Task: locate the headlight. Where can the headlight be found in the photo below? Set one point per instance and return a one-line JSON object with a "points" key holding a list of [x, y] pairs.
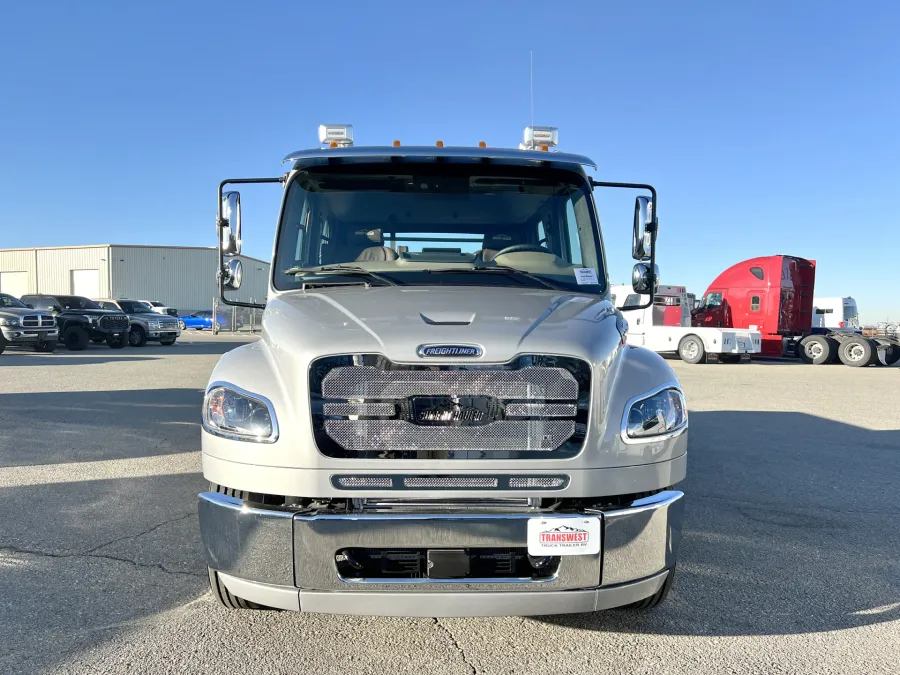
{"points": [[9, 322], [91, 319], [231, 412], [661, 413]]}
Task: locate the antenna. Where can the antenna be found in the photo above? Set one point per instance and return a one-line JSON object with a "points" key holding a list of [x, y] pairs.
{"points": [[531, 58]]}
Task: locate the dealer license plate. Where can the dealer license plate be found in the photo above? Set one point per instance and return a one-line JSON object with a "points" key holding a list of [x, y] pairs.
{"points": [[564, 536]]}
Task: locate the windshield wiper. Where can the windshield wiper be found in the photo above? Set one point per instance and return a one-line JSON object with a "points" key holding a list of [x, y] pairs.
{"points": [[346, 270], [497, 268]]}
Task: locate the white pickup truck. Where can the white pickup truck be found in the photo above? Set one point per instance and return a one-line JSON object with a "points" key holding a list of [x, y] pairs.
{"points": [[665, 327], [442, 417]]}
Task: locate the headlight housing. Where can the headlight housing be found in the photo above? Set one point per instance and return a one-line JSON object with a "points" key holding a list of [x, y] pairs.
{"points": [[651, 417], [9, 322], [231, 412], [91, 319]]}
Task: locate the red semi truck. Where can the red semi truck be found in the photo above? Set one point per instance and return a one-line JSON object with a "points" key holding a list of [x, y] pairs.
{"points": [[774, 295]]}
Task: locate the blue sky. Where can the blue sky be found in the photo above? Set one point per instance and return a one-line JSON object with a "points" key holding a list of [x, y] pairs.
{"points": [[768, 127]]}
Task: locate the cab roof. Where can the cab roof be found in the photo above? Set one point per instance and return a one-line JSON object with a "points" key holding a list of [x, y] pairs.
{"points": [[316, 156]]}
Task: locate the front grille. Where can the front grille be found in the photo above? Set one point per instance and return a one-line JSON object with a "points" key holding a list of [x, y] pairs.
{"points": [[114, 322], [168, 324], [475, 564], [38, 321], [534, 407]]}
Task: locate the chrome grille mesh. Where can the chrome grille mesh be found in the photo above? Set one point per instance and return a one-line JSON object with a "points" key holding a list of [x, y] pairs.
{"points": [[540, 410], [365, 409], [38, 321], [450, 482], [380, 435], [527, 383]]}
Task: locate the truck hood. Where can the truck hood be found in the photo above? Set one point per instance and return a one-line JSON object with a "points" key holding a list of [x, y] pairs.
{"points": [[8, 312], [395, 321]]}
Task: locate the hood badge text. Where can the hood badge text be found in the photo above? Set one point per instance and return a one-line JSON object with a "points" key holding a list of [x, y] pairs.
{"points": [[452, 351]]}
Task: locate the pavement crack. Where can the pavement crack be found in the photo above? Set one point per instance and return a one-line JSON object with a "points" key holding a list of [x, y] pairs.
{"points": [[472, 668], [139, 534], [49, 554]]}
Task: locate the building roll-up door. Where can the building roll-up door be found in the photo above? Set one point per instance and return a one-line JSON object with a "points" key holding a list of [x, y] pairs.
{"points": [[86, 283], [14, 283]]}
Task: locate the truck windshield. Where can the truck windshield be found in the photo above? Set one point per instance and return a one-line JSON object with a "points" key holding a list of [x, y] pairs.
{"points": [[76, 302], [412, 224], [10, 301]]}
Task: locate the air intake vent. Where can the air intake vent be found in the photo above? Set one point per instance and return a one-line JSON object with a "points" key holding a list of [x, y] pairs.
{"points": [[450, 482]]}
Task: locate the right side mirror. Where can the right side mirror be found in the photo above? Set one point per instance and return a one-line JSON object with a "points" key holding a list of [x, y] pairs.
{"points": [[230, 230], [643, 278], [641, 238], [55, 308]]}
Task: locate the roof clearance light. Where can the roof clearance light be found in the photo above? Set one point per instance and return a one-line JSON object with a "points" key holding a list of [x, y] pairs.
{"points": [[482, 144], [336, 135], [440, 144], [540, 137], [396, 144]]}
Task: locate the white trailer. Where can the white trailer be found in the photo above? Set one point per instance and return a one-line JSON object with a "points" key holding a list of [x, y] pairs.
{"points": [[647, 328], [835, 313]]}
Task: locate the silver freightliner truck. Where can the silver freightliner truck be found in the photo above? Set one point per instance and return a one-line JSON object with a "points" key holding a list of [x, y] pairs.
{"points": [[442, 417]]}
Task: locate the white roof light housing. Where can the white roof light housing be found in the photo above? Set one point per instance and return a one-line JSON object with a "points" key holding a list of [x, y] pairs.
{"points": [[540, 137], [336, 135]]}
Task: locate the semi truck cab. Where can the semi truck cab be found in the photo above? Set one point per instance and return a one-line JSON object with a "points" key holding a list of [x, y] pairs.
{"points": [[443, 416]]}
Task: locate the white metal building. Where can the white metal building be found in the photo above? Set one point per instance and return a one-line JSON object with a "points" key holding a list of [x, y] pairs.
{"points": [[180, 276]]}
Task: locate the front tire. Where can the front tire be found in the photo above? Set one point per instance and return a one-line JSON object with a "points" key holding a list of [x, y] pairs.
{"points": [[657, 598], [45, 347], [137, 337], [76, 339], [691, 349], [116, 342]]}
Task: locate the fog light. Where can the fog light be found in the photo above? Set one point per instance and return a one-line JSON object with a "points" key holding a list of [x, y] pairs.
{"points": [[539, 562]]}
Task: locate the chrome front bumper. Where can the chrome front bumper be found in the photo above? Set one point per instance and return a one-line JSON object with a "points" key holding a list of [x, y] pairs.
{"points": [[19, 335], [287, 559]]}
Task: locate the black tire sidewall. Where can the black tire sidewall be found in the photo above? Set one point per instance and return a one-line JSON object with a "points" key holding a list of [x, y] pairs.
{"points": [[76, 339], [138, 331]]}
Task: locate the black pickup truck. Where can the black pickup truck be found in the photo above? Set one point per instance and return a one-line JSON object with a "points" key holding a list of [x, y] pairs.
{"points": [[81, 320]]}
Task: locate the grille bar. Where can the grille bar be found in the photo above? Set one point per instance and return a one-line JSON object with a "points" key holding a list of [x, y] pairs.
{"points": [[526, 383], [540, 410], [365, 409], [381, 435], [450, 482]]}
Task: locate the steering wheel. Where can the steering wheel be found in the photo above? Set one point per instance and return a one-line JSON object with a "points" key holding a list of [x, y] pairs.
{"points": [[522, 248]]}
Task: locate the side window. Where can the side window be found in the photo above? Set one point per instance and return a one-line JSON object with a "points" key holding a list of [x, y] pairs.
{"points": [[757, 272], [107, 305], [712, 300], [632, 299], [542, 236], [754, 303], [572, 227]]}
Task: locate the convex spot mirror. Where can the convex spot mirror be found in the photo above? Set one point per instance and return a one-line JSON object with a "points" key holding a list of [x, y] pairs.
{"points": [[230, 226], [234, 274], [642, 279], [641, 238]]}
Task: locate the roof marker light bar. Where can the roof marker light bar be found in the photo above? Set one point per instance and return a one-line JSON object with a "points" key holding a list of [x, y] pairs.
{"points": [[336, 135], [540, 137]]}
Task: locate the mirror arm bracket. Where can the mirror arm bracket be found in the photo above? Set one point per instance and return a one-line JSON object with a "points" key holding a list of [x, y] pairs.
{"points": [[221, 222]]}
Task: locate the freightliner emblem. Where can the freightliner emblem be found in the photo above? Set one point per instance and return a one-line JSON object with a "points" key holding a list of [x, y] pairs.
{"points": [[453, 351]]}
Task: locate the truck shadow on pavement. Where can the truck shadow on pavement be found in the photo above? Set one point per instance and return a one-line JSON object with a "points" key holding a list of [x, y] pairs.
{"points": [[790, 527]]}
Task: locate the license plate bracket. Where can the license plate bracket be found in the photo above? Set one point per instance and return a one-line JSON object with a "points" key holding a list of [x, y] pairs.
{"points": [[448, 563]]}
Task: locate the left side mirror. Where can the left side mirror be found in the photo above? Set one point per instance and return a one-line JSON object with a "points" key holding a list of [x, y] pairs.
{"points": [[230, 230], [641, 239], [643, 278], [234, 274]]}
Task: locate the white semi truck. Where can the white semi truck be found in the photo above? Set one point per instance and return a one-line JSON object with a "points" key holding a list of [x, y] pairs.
{"points": [[665, 327], [443, 417]]}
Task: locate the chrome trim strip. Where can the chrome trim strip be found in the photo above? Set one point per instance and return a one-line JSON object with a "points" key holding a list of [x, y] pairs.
{"points": [[271, 438], [623, 429]]}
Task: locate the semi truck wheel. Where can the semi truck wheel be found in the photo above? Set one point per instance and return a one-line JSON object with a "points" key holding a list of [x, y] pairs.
{"points": [[137, 337], [76, 339], [817, 349], [691, 350], [857, 352], [658, 597], [891, 355], [224, 597]]}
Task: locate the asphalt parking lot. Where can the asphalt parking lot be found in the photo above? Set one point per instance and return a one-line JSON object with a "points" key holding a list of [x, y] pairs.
{"points": [[790, 561]]}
